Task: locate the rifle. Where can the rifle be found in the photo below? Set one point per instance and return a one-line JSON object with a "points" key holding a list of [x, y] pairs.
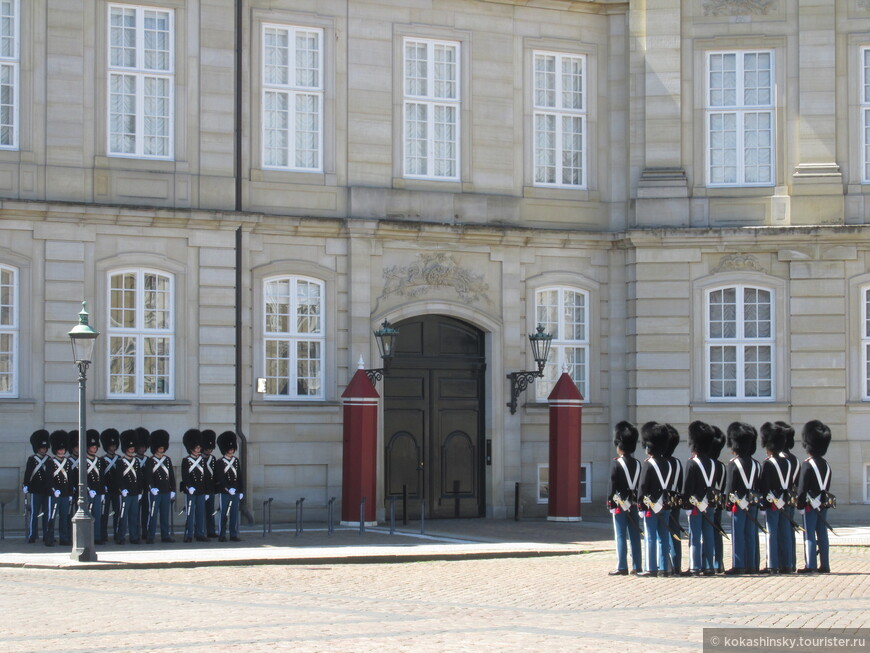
{"points": [[618, 500], [752, 499], [649, 504], [151, 513], [825, 522], [704, 514], [27, 510], [797, 527]]}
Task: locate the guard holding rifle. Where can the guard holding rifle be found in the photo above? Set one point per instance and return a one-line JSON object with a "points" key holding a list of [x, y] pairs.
{"points": [[740, 486], [37, 486], [193, 487], [96, 482], [130, 482], [655, 479], [813, 497], [697, 490], [622, 499], [776, 473], [228, 483], [160, 480]]}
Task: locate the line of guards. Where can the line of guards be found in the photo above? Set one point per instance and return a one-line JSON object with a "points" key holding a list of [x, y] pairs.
{"points": [[133, 490], [645, 499]]}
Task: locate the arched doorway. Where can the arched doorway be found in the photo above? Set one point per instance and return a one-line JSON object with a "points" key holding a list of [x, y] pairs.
{"points": [[434, 417]]}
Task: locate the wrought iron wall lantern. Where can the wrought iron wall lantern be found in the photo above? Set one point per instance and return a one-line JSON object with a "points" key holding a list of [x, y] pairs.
{"points": [[386, 338], [540, 351]]}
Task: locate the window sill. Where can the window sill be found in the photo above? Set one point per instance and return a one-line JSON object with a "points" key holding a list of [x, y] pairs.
{"points": [[734, 191], [423, 184], [558, 193], [120, 405], [750, 406], [283, 405]]}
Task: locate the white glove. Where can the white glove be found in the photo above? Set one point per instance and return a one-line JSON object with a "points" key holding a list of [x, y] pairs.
{"points": [[191, 490], [241, 495], [207, 497], [124, 493], [171, 496], [26, 489], [92, 493], [815, 502], [56, 493], [232, 491], [155, 491]]}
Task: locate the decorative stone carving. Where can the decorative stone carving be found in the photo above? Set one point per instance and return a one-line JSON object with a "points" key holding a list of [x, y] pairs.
{"points": [[738, 7], [432, 271], [741, 262]]}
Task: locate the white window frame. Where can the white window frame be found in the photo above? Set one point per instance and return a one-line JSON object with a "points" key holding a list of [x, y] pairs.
{"points": [[864, 99], [294, 92], [141, 75], [741, 112], [559, 345], [740, 342], [543, 486], [138, 333], [586, 483], [292, 337], [10, 66], [559, 113], [10, 328], [432, 102]]}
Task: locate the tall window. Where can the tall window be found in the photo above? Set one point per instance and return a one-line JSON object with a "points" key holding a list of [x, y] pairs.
{"points": [[560, 119], [141, 334], [141, 81], [431, 109], [865, 112], [865, 340], [740, 119], [740, 343], [564, 313], [8, 332], [9, 89], [292, 98], [294, 338]]}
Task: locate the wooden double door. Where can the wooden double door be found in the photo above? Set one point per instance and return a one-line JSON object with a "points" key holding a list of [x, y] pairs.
{"points": [[434, 418]]}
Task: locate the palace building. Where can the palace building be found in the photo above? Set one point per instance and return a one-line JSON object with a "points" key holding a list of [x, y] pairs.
{"points": [[244, 191]]}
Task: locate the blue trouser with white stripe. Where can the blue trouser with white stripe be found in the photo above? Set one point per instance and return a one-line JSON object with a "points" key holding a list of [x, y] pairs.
{"points": [[38, 505], [775, 533], [158, 511], [701, 548], [229, 508], [742, 539], [816, 539], [625, 531]]}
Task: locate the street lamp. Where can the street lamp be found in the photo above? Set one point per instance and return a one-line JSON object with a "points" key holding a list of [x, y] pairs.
{"points": [[386, 338], [83, 337], [540, 342]]}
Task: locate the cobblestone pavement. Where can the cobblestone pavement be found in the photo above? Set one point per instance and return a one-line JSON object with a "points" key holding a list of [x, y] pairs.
{"points": [[565, 603]]}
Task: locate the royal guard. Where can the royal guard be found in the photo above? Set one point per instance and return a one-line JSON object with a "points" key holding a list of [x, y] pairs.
{"points": [[61, 490], [228, 483], [755, 518], [208, 445], [740, 486], [143, 438], [656, 476], [193, 487], [160, 480], [814, 497], [788, 554], [718, 498], [675, 500], [96, 483], [776, 474], [622, 499], [37, 485], [111, 440], [130, 481], [698, 494], [72, 454]]}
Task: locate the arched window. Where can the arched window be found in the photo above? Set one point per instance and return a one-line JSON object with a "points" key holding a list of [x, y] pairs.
{"points": [[564, 312], [740, 343], [8, 331], [294, 339], [141, 334]]}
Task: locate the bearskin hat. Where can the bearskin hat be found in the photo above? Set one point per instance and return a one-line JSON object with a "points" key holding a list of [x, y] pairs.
{"points": [[655, 438], [191, 439], [208, 439], [788, 432], [816, 437], [72, 440], [110, 438], [129, 439], [227, 441], [39, 439], [143, 436], [718, 442], [700, 437], [92, 438], [741, 438], [159, 438], [58, 440], [673, 440], [625, 436], [772, 437]]}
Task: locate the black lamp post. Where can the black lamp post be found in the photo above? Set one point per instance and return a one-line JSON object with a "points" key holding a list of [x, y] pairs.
{"points": [[83, 337], [386, 338], [540, 351]]}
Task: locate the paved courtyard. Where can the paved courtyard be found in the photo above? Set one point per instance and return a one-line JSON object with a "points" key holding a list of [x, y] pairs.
{"points": [[546, 603]]}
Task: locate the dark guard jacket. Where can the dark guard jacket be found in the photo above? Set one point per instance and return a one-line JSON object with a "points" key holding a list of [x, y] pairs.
{"points": [[776, 475], [650, 485], [37, 474], [128, 476], [736, 482], [619, 481], [96, 474], [160, 474], [193, 475], [227, 474], [62, 477], [700, 477], [808, 481]]}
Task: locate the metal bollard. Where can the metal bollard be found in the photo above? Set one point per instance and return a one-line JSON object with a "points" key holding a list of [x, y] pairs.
{"points": [[404, 505], [362, 516], [422, 517], [517, 502], [392, 515], [171, 516], [264, 517], [299, 515], [330, 513], [271, 499]]}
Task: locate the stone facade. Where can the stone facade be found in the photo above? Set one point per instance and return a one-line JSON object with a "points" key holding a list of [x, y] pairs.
{"points": [[645, 236]]}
